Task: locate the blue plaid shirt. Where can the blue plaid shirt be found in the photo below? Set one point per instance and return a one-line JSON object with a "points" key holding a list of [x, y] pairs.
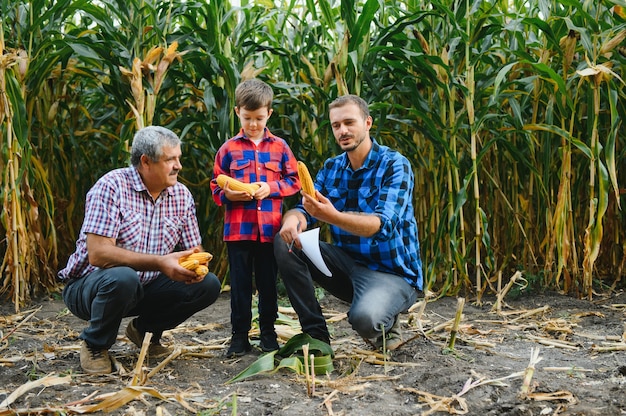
{"points": [[382, 186]]}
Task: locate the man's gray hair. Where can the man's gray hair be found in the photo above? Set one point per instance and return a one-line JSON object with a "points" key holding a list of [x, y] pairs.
{"points": [[150, 141]]}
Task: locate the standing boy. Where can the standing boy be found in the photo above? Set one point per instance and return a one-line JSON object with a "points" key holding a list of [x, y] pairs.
{"points": [[251, 220]]}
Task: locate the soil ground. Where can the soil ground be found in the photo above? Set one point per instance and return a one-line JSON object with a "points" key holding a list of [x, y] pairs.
{"points": [[579, 350]]}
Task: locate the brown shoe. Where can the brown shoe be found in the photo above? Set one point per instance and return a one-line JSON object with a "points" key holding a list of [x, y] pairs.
{"points": [[95, 361], [392, 340], [155, 350]]}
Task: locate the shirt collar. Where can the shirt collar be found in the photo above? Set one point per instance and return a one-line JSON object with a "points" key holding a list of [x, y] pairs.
{"points": [[267, 135], [139, 186], [369, 161]]}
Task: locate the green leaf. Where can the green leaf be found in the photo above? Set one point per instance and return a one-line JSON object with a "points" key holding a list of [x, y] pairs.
{"points": [[292, 363], [264, 364], [296, 342]]}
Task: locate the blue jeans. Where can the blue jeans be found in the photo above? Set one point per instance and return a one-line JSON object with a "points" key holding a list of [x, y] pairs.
{"points": [[375, 298], [106, 296], [248, 258]]}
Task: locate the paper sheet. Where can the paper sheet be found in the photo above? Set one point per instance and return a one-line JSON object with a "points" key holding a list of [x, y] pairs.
{"points": [[310, 241]]}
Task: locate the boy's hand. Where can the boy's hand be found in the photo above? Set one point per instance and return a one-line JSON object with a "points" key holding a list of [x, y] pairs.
{"points": [[263, 191], [231, 195]]}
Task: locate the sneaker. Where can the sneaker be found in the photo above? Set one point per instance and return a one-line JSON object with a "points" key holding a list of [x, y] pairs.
{"points": [[155, 350], [393, 338], [94, 361], [239, 345], [269, 342]]}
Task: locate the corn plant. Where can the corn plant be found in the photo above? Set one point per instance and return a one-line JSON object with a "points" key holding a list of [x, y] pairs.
{"points": [[510, 113]]}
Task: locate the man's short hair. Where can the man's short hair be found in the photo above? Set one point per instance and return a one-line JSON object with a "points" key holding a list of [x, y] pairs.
{"points": [[150, 141], [351, 99]]}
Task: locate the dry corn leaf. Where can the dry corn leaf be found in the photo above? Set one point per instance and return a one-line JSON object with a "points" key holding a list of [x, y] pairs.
{"points": [[47, 381]]}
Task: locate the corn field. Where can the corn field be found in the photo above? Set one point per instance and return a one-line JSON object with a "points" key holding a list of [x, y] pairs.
{"points": [[510, 112]]}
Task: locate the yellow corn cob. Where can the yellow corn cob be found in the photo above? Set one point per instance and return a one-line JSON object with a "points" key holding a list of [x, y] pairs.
{"points": [[235, 185], [189, 264], [305, 179], [202, 270], [203, 257]]}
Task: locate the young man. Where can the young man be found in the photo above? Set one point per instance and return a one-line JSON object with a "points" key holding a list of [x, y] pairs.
{"points": [[365, 195], [126, 258]]}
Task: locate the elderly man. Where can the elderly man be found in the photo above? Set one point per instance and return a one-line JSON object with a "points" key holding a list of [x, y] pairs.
{"points": [[139, 221]]}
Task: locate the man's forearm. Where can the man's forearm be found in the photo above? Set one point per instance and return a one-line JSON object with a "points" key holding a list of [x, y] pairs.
{"points": [[295, 215], [113, 256], [104, 253], [361, 224]]}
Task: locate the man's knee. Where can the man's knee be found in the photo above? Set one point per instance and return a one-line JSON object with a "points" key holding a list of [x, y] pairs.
{"points": [[212, 287], [363, 322], [280, 248], [123, 279]]}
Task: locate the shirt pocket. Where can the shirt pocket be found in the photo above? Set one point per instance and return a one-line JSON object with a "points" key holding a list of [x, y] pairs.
{"points": [[238, 169], [338, 197], [172, 231], [368, 198], [130, 232], [273, 171]]}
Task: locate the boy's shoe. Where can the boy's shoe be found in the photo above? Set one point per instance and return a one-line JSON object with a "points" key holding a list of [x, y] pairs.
{"points": [[95, 361], [155, 350], [239, 345], [269, 342], [393, 338]]}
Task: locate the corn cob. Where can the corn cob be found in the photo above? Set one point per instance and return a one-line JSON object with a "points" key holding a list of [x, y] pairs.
{"points": [[189, 264], [203, 257], [305, 179], [235, 185], [202, 270]]}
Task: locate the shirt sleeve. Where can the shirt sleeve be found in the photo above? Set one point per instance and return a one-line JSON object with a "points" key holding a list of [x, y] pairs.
{"points": [[102, 210], [395, 197]]}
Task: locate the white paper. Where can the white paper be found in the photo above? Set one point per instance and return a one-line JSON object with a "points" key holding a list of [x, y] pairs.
{"points": [[310, 241]]}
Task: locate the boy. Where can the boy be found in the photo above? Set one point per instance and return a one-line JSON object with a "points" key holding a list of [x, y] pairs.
{"points": [[251, 220]]}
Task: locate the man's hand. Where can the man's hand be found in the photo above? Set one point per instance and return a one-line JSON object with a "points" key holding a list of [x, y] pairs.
{"points": [[293, 224], [320, 208], [171, 267]]}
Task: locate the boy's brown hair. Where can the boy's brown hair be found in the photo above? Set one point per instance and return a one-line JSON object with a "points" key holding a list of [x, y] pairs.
{"points": [[253, 94]]}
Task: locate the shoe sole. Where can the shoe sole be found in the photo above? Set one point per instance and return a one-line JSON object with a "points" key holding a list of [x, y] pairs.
{"points": [[236, 354]]}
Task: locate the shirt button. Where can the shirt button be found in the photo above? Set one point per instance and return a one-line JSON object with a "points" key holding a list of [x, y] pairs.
{"points": [[259, 208]]}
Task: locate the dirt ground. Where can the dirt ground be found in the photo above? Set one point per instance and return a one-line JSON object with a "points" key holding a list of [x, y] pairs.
{"points": [[577, 349]]}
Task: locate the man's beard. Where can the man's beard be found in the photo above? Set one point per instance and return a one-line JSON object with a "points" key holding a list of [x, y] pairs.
{"points": [[355, 145]]}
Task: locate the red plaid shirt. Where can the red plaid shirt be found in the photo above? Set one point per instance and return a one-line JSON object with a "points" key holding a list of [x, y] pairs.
{"points": [[272, 162]]}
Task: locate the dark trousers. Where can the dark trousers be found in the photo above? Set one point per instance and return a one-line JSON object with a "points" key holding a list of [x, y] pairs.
{"points": [[248, 258], [375, 298], [107, 295]]}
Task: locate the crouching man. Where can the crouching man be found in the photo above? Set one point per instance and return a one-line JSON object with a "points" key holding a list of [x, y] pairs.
{"points": [[139, 221]]}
